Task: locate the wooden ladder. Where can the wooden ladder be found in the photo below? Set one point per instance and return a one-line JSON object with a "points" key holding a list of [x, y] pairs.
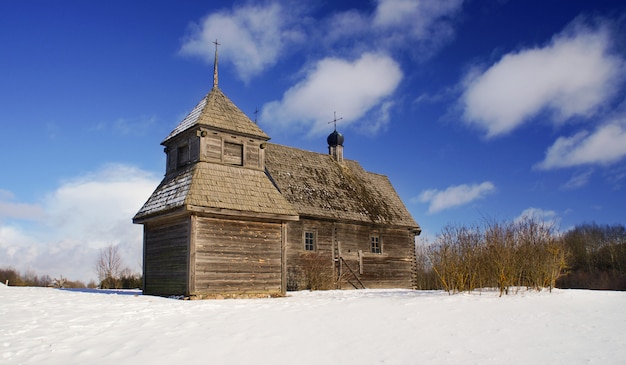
{"points": [[353, 274]]}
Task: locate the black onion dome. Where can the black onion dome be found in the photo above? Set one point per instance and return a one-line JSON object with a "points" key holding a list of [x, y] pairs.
{"points": [[335, 139]]}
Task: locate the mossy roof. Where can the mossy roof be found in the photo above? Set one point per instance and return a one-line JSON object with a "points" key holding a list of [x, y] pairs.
{"points": [[318, 186], [296, 183]]}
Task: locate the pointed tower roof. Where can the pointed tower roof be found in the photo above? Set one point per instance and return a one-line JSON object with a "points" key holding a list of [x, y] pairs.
{"points": [[218, 112]]}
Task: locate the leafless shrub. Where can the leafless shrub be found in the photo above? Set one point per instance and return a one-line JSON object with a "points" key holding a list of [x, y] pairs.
{"points": [[317, 271], [501, 260], [293, 279], [501, 255], [455, 258]]}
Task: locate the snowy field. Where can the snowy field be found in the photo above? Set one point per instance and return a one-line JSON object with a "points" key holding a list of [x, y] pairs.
{"points": [[49, 326]]}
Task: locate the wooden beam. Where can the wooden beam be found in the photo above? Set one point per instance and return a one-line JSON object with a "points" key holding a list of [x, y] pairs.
{"points": [[360, 252], [191, 260], [223, 213], [283, 270]]}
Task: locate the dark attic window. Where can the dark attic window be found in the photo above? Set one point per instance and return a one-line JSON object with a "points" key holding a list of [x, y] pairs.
{"points": [[182, 155], [375, 244], [309, 241]]}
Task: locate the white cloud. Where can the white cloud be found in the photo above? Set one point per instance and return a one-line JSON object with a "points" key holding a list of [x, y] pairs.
{"points": [[349, 88], [14, 244], [79, 217], [548, 218], [532, 212], [378, 119], [15, 210], [395, 12], [349, 25], [418, 19], [413, 26], [454, 196], [604, 146], [252, 36], [572, 76], [255, 36], [578, 180]]}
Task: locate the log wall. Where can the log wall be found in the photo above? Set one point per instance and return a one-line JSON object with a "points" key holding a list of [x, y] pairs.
{"points": [[237, 257], [165, 257], [394, 267]]}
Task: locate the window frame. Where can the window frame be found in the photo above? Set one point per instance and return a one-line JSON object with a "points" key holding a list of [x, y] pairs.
{"points": [[305, 239], [376, 244]]}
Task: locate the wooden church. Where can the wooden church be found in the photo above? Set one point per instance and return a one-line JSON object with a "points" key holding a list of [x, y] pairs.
{"points": [[236, 216]]}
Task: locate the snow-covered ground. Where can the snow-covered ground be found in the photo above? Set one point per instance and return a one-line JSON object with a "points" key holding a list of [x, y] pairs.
{"points": [[49, 326]]}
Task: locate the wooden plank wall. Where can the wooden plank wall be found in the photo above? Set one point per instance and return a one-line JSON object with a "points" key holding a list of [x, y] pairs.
{"points": [[165, 257], [237, 257], [213, 148], [217, 148], [233, 153], [394, 268], [252, 155], [295, 248]]}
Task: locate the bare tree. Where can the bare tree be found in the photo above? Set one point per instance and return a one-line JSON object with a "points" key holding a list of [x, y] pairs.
{"points": [[109, 266]]}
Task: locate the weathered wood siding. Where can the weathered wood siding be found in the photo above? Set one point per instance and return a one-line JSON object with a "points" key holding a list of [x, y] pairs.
{"points": [[233, 153], [252, 155], [231, 149], [394, 267], [237, 257], [295, 249], [165, 257], [213, 148]]}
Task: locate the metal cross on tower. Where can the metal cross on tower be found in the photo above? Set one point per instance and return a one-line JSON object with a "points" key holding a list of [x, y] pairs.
{"points": [[335, 120], [215, 65]]}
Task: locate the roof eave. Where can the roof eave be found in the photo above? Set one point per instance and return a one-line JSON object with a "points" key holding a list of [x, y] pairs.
{"points": [[416, 227], [238, 213], [170, 213]]}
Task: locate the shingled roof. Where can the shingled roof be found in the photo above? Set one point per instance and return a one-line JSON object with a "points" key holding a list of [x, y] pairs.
{"points": [[218, 189], [217, 111], [318, 186]]}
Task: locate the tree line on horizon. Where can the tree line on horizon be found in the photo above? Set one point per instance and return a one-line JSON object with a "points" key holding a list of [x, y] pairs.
{"points": [[529, 253], [112, 274]]}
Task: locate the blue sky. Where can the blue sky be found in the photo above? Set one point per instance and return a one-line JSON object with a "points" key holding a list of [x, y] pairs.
{"points": [[474, 109]]}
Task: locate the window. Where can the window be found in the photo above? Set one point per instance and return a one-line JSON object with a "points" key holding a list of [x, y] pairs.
{"points": [[375, 244], [182, 155], [309, 241]]}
